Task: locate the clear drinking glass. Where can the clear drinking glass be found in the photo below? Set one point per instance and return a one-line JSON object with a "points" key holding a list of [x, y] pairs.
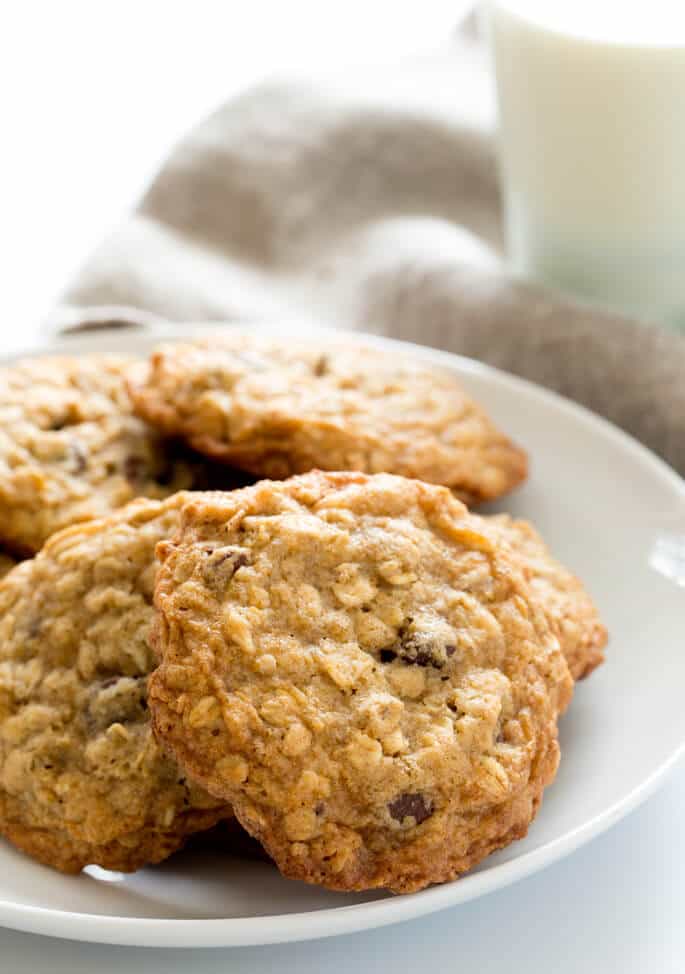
{"points": [[592, 147]]}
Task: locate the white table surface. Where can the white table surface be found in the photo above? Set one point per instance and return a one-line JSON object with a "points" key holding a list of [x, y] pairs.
{"points": [[91, 98]]}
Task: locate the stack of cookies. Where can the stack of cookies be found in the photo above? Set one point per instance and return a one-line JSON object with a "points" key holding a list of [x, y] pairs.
{"points": [[340, 656]]}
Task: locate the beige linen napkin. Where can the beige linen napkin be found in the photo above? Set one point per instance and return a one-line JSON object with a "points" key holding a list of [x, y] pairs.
{"points": [[370, 202]]}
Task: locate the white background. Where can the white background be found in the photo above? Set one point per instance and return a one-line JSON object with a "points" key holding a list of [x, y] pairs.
{"points": [[92, 96]]}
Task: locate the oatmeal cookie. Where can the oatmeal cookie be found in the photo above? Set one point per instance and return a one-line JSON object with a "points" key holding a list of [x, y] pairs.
{"points": [[278, 408], [82, 779], [571, 611], [71, 448], [354, 664]]}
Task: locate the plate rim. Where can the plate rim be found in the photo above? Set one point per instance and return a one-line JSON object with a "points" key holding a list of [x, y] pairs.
{"points": [[338, 920]]}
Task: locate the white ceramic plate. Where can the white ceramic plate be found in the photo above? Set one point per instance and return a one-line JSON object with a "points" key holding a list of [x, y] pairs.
{"points": [[609, 509]]}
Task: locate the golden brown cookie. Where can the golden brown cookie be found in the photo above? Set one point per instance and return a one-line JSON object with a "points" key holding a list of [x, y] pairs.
{"points": [[354, 664], [569, 608], [281, 407], [82, 779], [71, 448]]}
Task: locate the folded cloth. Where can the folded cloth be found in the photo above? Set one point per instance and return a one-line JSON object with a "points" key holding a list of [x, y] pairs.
{"points": [[371, 202]]}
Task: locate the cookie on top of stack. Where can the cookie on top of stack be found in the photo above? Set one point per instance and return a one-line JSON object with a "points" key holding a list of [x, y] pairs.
{"points": [[365, 673], [354, 665]]}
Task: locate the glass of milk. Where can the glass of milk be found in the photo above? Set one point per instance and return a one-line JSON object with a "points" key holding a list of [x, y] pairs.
{"points": [[592, 129]]}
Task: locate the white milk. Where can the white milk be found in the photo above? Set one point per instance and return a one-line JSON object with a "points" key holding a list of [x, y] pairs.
{"points": [[592, 118]]}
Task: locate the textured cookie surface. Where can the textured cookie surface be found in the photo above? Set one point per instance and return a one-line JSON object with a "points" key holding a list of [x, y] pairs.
{"points": [[353, 664], [82, 779], [277, 408], [568, 605], [71, 448]]}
